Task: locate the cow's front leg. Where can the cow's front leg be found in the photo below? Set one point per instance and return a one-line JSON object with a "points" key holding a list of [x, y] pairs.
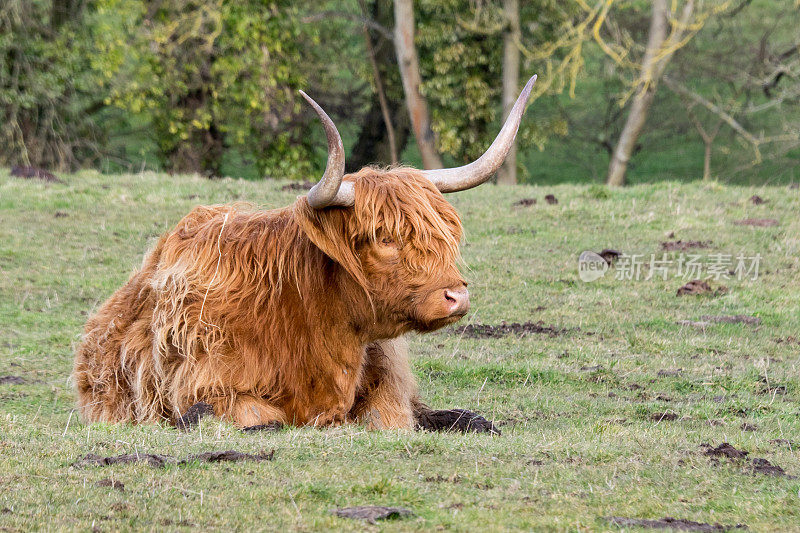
{"points": [[383, 399]]}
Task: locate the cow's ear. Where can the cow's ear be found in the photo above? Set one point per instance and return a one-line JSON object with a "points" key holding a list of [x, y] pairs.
{"points": [[329, 230]]}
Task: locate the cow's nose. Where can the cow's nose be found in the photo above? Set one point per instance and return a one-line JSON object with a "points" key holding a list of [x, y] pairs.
{"points": [[457, 300]]}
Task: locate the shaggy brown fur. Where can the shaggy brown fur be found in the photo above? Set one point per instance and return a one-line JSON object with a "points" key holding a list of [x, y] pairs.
{"points": [[294, 315]]}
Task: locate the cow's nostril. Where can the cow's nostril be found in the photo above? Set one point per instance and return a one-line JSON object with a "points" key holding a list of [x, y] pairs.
{"points": [[457, 300]]}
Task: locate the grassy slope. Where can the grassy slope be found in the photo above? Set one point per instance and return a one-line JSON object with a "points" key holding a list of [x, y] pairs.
{"points": [[580, 445]]}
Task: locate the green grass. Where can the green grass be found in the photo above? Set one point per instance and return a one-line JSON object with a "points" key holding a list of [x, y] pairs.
{"points": [[578, 445]]}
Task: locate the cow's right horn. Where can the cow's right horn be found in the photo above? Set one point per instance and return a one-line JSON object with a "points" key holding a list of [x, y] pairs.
{"points": [[471, 175], [330, 190]]}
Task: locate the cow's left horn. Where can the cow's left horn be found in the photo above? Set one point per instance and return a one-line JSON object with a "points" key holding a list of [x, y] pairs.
{"points": [[480, 170], [330, 190]]}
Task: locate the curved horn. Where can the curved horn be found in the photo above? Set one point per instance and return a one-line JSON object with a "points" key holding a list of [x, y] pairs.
{"points": [[330, 190], [480, 170]]}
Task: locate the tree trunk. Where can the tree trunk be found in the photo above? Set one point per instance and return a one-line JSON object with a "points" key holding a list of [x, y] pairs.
{"points": [[656, 57], [511, 37], [409, 71], [707, 161], [374, 145]]}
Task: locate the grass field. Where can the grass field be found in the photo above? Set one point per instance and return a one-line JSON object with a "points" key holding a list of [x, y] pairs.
{"points": [[603, 418]]}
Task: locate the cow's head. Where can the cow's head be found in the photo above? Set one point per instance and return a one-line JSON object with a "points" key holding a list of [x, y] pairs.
{"points": [[395, 233]]}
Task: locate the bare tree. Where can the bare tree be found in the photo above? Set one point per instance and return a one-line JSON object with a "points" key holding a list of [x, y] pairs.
{"points": [[511, 43], [658, 52], [409, 71]]}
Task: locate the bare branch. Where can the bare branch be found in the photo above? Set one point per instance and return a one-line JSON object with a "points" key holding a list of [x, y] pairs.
{"points": [[738, 128], [385, 32]]}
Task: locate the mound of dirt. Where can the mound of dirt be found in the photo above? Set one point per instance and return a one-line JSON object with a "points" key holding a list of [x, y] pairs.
{"points": [[610, 255], [113, 483], [757, 222], [682, 246], [525, 202], [762, 466], [455, 420], [193, 415], [757, 200], [551, 199], [272, 426], [488, 331], [34, 173], [698, 286], [152, 459], [663, 417], [228, 456], [158, 461], [372, 513], [11, 380], [733, 319], [679, 524], [757, 465], [723, 450]]}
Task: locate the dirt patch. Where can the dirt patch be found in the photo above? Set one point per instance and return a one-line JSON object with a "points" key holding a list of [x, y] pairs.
{"points": [[551, 199], [733, 319], [113, 483], [756, 465], [679, 524], [298, 186], [785, 442], [707, 320], [525, 202], [455, 478], [515, 230], [11, 380], [682, 246], [788, 340], [455, 420], [748, 427], [372, 513], [757, 200], [34, 173], [762, 466], [663, 417], [228, 456], [193, 415], [159, 461], [757, 222], [698, 286], [272, 426], [154, 460], [723, 450], [610, 255], [60, 214], [488, 331], [771, 388]]}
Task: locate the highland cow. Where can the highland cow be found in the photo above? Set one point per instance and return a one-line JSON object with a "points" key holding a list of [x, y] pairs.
{"points": [[295, 315]]}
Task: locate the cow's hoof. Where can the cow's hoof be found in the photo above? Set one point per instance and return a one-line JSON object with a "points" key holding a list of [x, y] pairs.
{"points": [[193, 415], [272, 426], [456, 420]]}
